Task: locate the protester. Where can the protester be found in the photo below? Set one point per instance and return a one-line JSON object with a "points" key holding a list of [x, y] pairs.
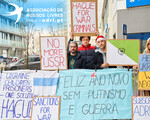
{"points": [[99, 57], [86, 49], [146, 51], [75, 59]]}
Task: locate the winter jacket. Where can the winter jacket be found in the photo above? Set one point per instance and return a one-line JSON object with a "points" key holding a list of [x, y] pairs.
{"points": [[79, 61], [97, 61], [87, 52]]}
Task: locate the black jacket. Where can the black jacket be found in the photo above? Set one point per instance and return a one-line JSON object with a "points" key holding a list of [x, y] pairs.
{"points": [[79, 61], [97, 61], [87, 52]]}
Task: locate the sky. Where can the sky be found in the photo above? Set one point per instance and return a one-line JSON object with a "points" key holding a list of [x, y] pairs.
{"points": [[45, 19]]}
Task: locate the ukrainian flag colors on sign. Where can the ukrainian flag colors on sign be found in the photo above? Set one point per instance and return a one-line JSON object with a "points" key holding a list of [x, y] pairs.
{"points": [[123, 52]]}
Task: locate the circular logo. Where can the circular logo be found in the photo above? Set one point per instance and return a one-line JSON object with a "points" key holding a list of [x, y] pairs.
{"points": [[121, 51]]}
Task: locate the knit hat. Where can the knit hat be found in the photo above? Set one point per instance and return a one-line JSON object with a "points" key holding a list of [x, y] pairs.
{"points": [[99, 38]]}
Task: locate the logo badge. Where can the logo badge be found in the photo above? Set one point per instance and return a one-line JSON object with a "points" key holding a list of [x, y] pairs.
{"points": [[17, 12], [121, 51]]}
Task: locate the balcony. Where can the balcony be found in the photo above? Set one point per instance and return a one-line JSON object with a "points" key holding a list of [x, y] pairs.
{"points": [[10, 29], [10, 43]]}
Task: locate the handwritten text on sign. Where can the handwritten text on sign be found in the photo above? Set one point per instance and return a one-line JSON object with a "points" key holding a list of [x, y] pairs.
{"points": [[144, 81], [105, 96], [84, 17], [144, 72], [144, 62], [45, 108], [141, 108], [16, 95], [53, 52]]}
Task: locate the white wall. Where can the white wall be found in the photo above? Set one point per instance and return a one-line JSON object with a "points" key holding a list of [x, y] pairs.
{"points": [[137, 20]]}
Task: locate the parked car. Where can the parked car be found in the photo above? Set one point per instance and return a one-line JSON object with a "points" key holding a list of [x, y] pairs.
{"points": [[7, 60], [33, 64]]}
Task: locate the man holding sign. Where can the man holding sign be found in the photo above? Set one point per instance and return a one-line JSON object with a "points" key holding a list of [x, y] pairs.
{"points": [[86, 49], [75, 59]]}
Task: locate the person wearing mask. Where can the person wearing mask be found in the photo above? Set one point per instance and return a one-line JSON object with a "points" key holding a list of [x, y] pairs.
{"points": [[75, 59]]}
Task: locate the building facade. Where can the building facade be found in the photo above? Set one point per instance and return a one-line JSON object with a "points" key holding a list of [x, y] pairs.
{"points": [[12, 36], [34, 42], [134, 14]]}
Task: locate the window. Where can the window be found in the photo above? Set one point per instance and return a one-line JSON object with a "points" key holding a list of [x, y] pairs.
{"points": [[10, 23], [36, 59], [31, 59], [3, 21], [19, 39], [11, 36], [0, 34], [4, 35]]}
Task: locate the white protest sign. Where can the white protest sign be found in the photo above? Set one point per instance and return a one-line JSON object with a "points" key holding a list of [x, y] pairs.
{"points": [[84, 17], [53, 53], [16, 92], [46, 108], [141, 108]]}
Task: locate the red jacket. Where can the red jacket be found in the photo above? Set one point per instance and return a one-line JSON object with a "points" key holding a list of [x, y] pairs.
{"points": [[86, 48], [88, 53]]}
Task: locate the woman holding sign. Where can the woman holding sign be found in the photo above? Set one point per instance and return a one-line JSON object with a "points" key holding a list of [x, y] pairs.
{"points": [[146, 51]]}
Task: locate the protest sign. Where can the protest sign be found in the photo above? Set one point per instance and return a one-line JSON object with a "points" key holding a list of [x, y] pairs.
{"points": [[46, 108], [87, 95], [45, 83], [144, 72], [144, 81], [122, 52], [144, 62], [140, 108], [53, 53], [16, 92], [84, 17]]}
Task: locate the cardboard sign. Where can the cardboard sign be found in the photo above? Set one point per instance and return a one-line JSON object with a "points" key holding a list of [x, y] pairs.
{"points": [[122, 52], [84, 17], [144, 62], [93, 96], [144, 72], [140, 108], [53, 53], [144, 81], [45, 108], [16, 92]]}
